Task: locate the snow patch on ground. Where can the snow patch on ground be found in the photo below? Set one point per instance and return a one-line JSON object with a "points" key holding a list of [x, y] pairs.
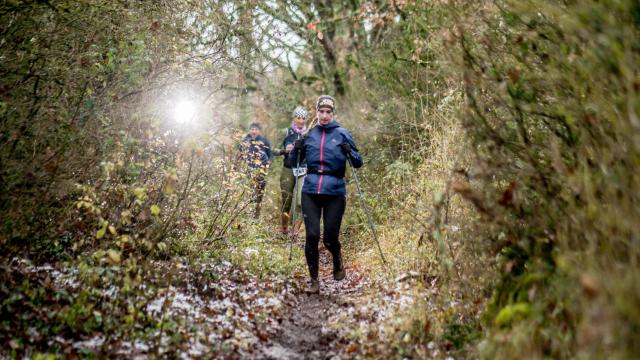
{"points": [[196, 349], [137, 347], [177, 302], [66, 278], [277, 351], [250, 251], [90, 344]]}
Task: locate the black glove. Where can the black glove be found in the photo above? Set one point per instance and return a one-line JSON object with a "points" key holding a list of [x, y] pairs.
{"points": [[346, 148], [297, 145]]}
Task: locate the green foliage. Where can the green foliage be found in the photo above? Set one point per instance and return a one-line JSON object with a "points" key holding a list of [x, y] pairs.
{"points": [[93, 172], [524, 111], [460, 334], [547, 87], [547, 97], [57, 81], [511, 313]]}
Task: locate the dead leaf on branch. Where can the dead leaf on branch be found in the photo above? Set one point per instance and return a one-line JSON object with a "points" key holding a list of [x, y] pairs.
{"points": [[464, 189], [590, 285]]}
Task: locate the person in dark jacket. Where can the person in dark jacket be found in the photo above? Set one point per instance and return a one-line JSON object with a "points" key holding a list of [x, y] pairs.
{"points": [[296, 131], [326, 149], [256, 152]]}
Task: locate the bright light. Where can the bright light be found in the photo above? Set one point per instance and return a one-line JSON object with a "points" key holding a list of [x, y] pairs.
{"points": [[184, 112]]}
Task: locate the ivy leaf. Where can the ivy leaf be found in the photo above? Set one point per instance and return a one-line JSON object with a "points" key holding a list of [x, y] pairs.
{"points": [[168, 188], [123, 240], [100, 233], [114, 256], [14, 344], [140, 193]]}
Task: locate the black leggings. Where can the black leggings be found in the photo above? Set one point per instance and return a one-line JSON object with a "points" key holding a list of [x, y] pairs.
{"points": [[331, 207]]}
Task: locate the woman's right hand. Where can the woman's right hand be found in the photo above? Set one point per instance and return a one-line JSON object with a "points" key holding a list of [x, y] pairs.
{"points": [[288, 148]]}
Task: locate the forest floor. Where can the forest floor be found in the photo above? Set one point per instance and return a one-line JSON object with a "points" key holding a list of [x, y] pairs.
{"points": [[214, 309]]}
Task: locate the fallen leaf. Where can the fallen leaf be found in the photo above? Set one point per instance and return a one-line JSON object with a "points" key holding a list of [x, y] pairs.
{"points": [[264, 337], [514, 74], [507, 196]]}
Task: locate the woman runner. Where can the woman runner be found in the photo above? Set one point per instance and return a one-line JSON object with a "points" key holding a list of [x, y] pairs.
{"points": [[325, 149], [296, 131]]}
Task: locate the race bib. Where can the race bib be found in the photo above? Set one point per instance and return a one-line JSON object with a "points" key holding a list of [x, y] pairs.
{"points": [[301, 171]]}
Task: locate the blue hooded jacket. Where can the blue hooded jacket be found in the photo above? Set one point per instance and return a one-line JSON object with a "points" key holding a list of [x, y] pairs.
{"points": [[256, 152], [326, 162], [290, 137]]}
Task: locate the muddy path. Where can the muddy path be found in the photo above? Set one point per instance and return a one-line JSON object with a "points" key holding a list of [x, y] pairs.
{"points": [[308, 329]]}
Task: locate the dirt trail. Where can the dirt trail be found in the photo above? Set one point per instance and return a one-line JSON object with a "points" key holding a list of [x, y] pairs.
{"points": [[306, 332]]}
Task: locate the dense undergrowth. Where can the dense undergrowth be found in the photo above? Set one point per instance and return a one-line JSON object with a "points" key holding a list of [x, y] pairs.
{"points": [[501, 147], [501, 140], [100, 186], [528, 112]]}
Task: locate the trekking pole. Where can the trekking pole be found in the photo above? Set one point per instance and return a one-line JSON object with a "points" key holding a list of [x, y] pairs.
{"points": [[366, 210], [295, 203]]}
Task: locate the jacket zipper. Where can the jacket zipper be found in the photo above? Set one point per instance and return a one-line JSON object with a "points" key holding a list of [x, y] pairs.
{"points": [[321, 161]]}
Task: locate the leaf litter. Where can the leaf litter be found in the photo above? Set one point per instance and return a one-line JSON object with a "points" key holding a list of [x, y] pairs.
{"points": [[219, 310]]}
